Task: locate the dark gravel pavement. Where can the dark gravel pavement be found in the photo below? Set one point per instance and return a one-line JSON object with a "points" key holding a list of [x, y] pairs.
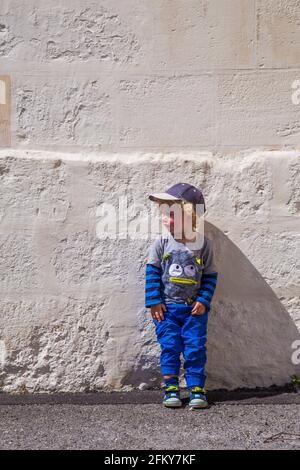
{"points": [[137, 420]]}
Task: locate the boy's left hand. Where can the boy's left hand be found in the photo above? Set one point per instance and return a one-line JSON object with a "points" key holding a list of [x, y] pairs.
{"points": [[198, 309]]}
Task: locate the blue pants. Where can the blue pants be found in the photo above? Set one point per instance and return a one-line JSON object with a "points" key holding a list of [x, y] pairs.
{"points": [[180, 331]]}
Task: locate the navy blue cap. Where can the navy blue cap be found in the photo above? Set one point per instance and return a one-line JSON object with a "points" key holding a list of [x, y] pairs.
{"points": [[180, 192]]}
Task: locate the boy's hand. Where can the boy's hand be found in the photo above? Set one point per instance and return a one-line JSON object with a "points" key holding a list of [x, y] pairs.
{"points": [[157, 311], [198, 309]]}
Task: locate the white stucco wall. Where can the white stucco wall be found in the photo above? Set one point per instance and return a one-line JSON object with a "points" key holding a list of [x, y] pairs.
{"points": [[115, 98]]}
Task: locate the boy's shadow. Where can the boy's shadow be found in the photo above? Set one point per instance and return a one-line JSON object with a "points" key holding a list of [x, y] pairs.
{"points": [[250, 333]]}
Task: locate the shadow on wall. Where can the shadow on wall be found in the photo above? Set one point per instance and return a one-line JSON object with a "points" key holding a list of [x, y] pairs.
{"points": [[250, 333]]}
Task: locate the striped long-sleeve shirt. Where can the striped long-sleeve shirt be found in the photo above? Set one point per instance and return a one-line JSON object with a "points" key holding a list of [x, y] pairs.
{"points": [[176, 274]]}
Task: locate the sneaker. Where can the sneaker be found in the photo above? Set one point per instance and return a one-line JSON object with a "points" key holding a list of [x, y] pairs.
{"points": [[172, 396], [198, 398]]}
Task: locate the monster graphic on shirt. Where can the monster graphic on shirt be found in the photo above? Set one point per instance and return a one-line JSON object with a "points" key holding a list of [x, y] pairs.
{"points": [[181, 275]]}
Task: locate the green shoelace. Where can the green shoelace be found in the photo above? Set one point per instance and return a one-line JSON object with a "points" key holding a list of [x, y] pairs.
{"points": [[198, 390]]}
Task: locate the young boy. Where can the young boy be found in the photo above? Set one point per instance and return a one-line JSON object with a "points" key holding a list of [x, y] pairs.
{"points": [[179, 286]]}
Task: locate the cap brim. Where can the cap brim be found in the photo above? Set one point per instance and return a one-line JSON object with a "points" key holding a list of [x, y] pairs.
{"points": [[163, 197]]}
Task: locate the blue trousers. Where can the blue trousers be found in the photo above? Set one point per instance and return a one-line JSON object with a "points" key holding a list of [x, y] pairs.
{"points": [[182, 332]]}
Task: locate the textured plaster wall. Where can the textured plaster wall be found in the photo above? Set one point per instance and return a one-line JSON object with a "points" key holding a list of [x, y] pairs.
{"points": [[121, 75], [115, 97]]}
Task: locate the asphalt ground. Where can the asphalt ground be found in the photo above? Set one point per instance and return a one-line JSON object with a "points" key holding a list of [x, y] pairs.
{"points": [[258, 419]]}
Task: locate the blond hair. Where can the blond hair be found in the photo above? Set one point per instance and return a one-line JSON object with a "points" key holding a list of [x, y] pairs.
{"points": [[190, 209]]}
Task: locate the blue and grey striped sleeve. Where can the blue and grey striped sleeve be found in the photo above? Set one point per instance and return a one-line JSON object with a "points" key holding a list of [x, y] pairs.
{"points": [[209, 277], [152, 285], [153, 274], [207, 289]]}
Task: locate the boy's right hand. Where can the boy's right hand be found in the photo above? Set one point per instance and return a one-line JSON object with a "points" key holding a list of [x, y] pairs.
{"points": [[157, 311]]}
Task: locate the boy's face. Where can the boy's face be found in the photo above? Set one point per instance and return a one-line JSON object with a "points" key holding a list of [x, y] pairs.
{"points": [[167, 210], [174, 218]]}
